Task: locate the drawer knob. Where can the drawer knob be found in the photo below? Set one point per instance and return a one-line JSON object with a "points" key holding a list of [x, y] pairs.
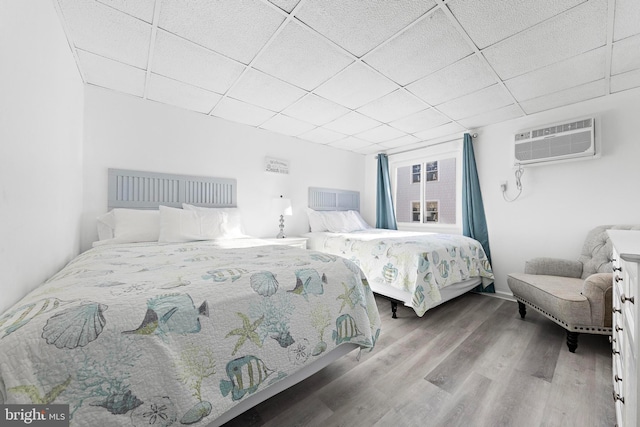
{"points": [[616, 396], [617, 310], [618, 328], [617, 268], [612, 339], [623, 298], [618, 279], [617, 378], [614, 351]]}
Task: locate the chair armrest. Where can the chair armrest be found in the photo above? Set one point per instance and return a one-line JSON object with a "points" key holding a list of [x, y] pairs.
{"points": [[598, 289], [554, 267]]}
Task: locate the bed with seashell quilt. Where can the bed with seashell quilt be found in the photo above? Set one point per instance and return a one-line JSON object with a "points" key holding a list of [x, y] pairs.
{"points": [[189, 332], [420, 270]]}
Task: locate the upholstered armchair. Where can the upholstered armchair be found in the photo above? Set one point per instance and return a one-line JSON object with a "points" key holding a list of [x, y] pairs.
{"points": [[574, 294]]}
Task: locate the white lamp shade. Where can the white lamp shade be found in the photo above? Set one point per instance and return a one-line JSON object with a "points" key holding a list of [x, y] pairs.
{"points": [[282, 206]]}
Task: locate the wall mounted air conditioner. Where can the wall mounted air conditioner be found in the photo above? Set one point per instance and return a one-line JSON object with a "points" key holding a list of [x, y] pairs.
{"points": [[569, 140]]}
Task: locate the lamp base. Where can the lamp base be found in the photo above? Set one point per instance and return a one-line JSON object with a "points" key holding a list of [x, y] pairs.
{"points": [[281, 234]]}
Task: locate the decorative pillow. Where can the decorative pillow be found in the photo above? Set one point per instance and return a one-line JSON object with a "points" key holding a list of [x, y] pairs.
{"points": [[231, 228], [179, 225], [106, 224], [136, 225]]}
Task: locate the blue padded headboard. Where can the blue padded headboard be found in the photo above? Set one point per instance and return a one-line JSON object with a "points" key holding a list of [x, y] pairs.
{"points": [[330, 199], [149, 190]]}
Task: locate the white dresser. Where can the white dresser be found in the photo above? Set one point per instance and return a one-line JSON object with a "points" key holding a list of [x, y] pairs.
{"points": [[624, 341]]}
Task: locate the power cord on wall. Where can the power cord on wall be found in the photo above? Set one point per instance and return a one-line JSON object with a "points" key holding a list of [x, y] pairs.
{"points": [[503, 186]]}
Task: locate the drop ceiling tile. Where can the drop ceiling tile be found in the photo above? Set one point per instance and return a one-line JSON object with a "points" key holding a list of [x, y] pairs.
{"points": [[142, 9], [627, 16], [107, 32], [316, 110], [380, 134], [265, 91], [574, 71], [241, 112], [206, 69], [237, 29], [286, 125], [350, 143], [579, 30], [359, 26], [625, 55], [393, 106], [491, 21], [451, 128], [625, 81], [565, 97], [487, 99], [500, 115], [422, 120], [322, 136], [111, 74], [400, 142], [352, 123], [465, 76], [301, 57], [180, 94], [370, 149], [428, 46], [356, 86], [286, 5]]}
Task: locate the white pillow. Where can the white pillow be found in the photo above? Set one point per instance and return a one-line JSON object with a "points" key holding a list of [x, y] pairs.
{"points": [[136, 225], [231, 228], [179, 225], [106, 224], [316, 221], [359, 220]]}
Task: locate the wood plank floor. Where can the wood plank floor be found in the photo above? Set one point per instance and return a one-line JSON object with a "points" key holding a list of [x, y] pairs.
{"points": [[469, 362]]}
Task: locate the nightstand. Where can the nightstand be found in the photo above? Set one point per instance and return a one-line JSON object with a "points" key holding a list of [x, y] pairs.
{"points": [[296, 242]]}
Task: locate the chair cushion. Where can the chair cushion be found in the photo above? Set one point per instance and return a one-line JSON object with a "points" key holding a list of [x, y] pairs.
{"points": [[557, 297]]}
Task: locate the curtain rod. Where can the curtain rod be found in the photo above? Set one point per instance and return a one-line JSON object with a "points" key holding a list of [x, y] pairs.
{"points": [[475, 135]]}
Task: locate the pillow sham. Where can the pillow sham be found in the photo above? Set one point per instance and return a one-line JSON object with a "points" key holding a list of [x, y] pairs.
{"points": [[180, 225], [106, 223], [136, 225], [359, 220], [231, 228], [335, 221], [316, 221]]}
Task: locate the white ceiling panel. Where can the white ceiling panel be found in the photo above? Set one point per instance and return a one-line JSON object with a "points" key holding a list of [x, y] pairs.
{"points": [[626, 55], [431, 44], [322, 135], [420, 121], [142, 9], [465, 76], [488, 22], [575, 71], [370, 149], [356, 86], [359, 26], [111, 74], [237, 29], [393, 106], [286, 5], [350, 143], [501, 114], [302, 57], [400, 142], [451, 128], [627, 19], [241, 112], [565, 97], [316, 110], [352, 123], [265, 91], [287, 125], [380, 134], [173, 92], [625, 81], [206, 69], [579, 30], [484, 100], [102, 30]]}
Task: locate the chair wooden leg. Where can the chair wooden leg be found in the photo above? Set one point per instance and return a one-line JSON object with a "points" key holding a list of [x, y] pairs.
{"points": [[394, 310], [572, 341], [522, 309]]}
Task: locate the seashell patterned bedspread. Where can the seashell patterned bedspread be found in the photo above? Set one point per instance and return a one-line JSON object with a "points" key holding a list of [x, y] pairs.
{"points": [[420, 263], [162, 334]]}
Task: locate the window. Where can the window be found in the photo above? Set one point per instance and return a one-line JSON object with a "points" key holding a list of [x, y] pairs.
{"points": [[427, 191]]}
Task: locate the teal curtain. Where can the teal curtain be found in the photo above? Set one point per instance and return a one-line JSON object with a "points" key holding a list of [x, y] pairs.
{"points": [[385, 215], [474, 222]]}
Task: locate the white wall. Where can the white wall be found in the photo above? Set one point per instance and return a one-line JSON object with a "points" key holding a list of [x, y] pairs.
{"points": [[561, 202], [125, 132], [41, 110]]}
